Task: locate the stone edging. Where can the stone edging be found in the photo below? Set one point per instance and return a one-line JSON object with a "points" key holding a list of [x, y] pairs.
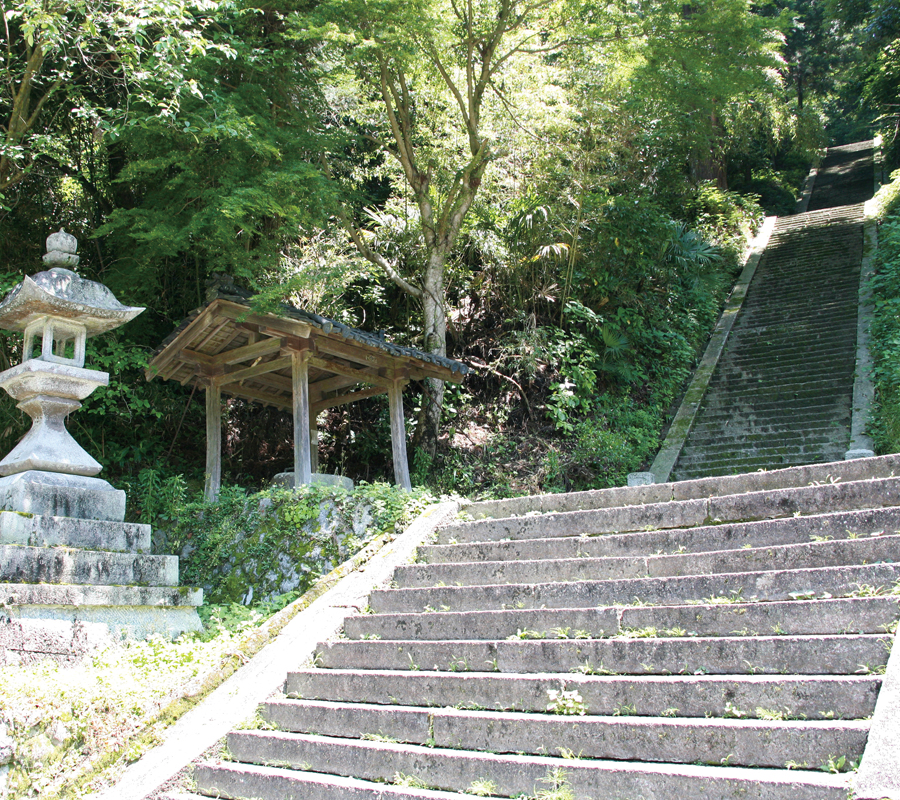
{"points": [[687, 412], [808, 186], [861, 444], [878, 777], [237, 699]]}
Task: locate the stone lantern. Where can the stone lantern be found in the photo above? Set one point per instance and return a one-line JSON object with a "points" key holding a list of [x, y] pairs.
{"points": [[48, 472]]}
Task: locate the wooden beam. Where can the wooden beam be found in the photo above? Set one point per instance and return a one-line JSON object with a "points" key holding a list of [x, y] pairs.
{"points": [[398, 436], [247, 352], [343, 399], [239, 375], [213, 442], [284, 325], [360, 375], [302, 459], [330, 384], [360, 353], [258, 396], [172, 349], [194, 357]]}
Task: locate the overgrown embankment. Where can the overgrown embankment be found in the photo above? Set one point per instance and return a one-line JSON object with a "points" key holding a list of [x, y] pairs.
{"points": [[885, 332]]}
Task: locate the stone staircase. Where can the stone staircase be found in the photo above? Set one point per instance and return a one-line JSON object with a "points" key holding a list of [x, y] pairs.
{"points": [[782, 391], [708, 639]]}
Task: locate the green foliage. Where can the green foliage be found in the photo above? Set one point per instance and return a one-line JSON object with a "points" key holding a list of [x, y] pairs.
{"points": [[885, 330], [258, 547]]}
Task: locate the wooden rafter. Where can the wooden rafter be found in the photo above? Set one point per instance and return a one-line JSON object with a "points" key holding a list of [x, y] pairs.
{"points": [[350, 397]]}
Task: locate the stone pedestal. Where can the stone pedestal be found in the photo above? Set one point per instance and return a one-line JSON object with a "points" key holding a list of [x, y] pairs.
{"points": [[72, 574], [286, 480]]}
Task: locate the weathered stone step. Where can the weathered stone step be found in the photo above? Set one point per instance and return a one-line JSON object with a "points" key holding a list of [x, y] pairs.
{"points": [[693, 461], [741, 696], [741, 742], [756, 428], [722, 413], [878, 493], [36, 530], [245, 782], [738, 586], [727, 536], [761, 457], [722, 449], [749, 432], [818, 370], [589, 780], [24, 564], [515, 775], [808, 320], [755, 559], [844, 471], [22, 595], [723, 655], [771, 397], [815, 356], [795, 617], [721, 470]]}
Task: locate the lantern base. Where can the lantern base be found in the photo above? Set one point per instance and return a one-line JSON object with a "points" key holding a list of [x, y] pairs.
{"points": [[60, 495]]}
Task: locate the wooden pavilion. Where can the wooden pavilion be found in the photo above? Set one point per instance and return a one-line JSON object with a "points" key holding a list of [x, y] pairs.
{"points": [[293, 360]]}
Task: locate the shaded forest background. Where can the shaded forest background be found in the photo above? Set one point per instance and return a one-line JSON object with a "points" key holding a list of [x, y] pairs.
{"points": [[557, 192]]}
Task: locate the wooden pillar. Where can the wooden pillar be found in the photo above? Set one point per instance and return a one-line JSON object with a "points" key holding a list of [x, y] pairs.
{"points": [[313, 443], [213, 441], [398, 435], [300, 385]]}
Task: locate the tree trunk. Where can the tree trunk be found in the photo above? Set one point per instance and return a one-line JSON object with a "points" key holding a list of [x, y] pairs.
{"points": [[429, 426]]}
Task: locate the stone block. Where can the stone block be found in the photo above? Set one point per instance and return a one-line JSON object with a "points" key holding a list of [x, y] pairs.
{"points": [[90, 534], [286, 480], [58, 495]]}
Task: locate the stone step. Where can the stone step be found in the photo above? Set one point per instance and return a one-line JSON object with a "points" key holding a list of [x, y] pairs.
{"points": [[45, 531], [244, 782], [737, 586], [722, 655], [513, 775], [726, 536], [20, 596], [580, 568], [844, 471], [710, 436], [794, 501], [772, 397], [789, 413], [765, 382], [808, 321], [728, 451], [695, 464], [762, 432], [812, 357], [776, 372], [589, 780], [736, 468], [756, 743], [841, 615], [63, 565], [741, 696], [762, 457]]}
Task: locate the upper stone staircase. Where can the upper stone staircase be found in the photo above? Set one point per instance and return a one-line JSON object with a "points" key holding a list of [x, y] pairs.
{"points": [[708, 639], [782, 391]]}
